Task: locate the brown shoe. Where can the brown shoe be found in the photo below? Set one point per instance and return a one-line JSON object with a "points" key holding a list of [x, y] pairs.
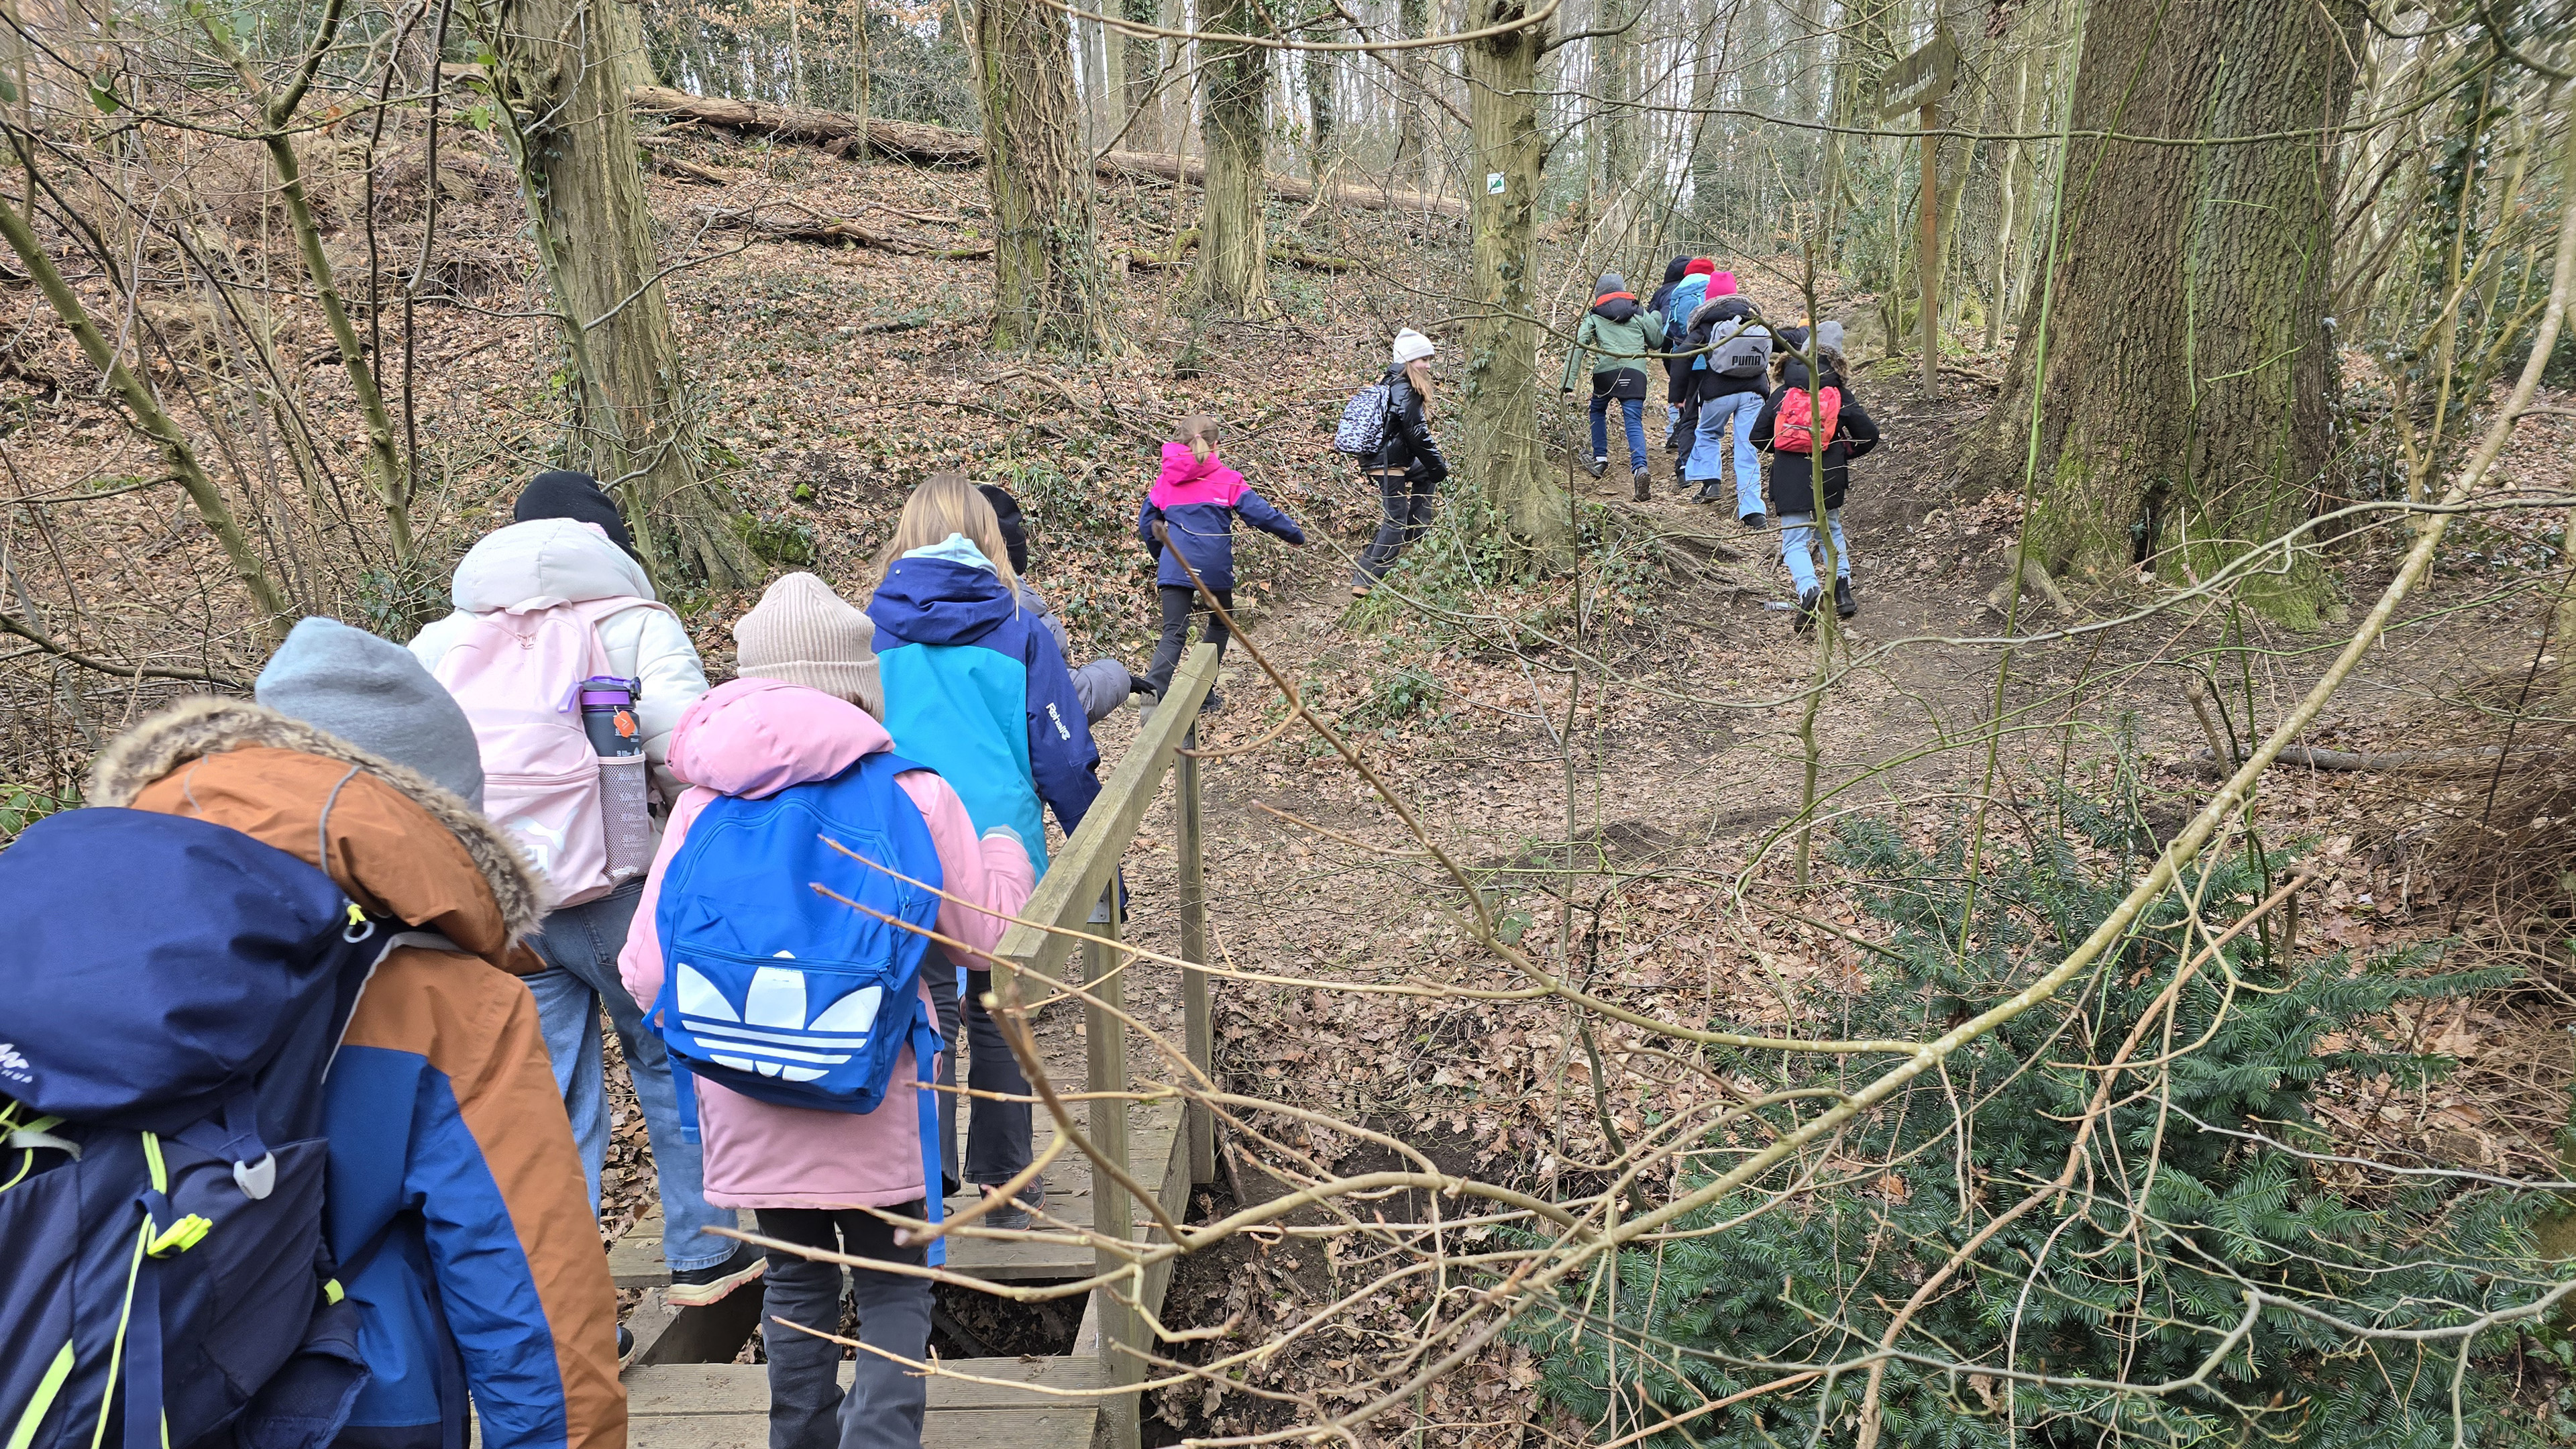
{"points": [[1643, 490]]}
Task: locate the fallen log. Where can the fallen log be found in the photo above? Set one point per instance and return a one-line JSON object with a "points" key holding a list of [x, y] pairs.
{"points": [[1192, 171], [904, 140], [788, 221], [939, 146]]}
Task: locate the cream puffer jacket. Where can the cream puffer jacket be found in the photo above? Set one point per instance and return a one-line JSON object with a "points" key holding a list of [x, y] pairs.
{"points": [[559, 558]]}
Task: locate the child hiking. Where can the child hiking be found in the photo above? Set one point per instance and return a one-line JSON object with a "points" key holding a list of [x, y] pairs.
{"points": [[804, 1022], [367, 1254], [570, 557], [977, 689], [1617, 335], [1406, 464], [1805, 425], [1189, 515]]}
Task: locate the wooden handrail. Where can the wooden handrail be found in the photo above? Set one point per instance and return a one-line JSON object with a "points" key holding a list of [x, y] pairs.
{"points": [[1076, 877], [1077, 895]]}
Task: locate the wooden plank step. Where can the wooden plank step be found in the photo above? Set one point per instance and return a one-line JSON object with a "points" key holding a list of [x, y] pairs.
{"points": [[1154, 1138], [726, 1406]]}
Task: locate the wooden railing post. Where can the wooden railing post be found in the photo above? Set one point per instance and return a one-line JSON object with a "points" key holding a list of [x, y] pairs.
{"points": [[1198, 1028], [1113, 1214]]}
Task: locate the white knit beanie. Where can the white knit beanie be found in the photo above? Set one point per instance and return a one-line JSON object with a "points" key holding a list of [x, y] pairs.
{"points": [[1409, 345], [803, 633]]}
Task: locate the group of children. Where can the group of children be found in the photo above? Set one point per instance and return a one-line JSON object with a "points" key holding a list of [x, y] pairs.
{"points": [[1736, 387], [428, 869]]}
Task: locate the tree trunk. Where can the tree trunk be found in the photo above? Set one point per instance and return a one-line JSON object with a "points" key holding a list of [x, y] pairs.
{"points": [[575, 147], [1412, 152], [1144, 78], [1047, 282], [1501, 452], [1234, 249], [1614, 69], [2182, 375], [1321, 87], [629, 52]]}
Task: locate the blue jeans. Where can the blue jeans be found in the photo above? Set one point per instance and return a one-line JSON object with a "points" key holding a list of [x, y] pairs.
{"points": [[1719, 416], [581, 944], [1797, 544], [1632, 411]]}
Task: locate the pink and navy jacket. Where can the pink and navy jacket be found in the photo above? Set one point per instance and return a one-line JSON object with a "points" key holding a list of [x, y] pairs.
{"points": [[1197, 502], [753, 738]]}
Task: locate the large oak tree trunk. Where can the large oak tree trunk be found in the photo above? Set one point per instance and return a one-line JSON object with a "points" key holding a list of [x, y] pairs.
{"points": [[2179, 354], [1501, 451], [1047, 280], [1234, 245], [630, 423]]}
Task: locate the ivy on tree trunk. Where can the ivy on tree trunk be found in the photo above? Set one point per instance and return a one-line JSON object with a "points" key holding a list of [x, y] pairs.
{"points": [[574, 143], [2176, 362], [1501, 445]]}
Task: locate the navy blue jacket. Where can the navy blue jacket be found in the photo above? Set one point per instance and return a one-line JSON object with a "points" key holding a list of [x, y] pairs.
{"points": [[1196, 503]]}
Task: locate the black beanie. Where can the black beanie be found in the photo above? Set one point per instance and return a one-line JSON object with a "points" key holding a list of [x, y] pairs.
{"points": [[1015, 538], [577, 496], [1673, 271]]}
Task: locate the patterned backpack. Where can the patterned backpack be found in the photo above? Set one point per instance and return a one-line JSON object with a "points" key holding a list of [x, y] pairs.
{"points": [[1362, 430]]}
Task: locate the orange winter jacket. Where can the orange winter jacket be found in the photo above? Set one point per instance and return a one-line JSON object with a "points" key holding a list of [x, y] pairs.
{"points": [[453, 1180]]}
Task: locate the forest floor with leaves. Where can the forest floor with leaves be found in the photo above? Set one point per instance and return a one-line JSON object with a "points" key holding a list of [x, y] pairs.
{"points": [[1634, 836]]}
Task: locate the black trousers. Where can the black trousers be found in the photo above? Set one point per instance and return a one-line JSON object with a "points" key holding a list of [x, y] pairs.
{"points": [[1406, 502], [1178, 607]]}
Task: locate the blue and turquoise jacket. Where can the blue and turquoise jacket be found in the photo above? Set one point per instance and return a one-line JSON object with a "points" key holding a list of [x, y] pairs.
{"points": [[977, 689]]}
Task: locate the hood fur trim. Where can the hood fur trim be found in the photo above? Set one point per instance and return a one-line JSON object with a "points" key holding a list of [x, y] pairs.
{"points": [[203, 725]]}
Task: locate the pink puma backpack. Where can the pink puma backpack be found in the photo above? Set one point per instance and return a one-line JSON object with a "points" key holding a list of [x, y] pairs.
{"points": [[518, 677]]}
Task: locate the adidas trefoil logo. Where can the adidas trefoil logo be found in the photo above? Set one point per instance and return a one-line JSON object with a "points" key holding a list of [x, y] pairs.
{"points": [[770, 1035], [13, 1064]]}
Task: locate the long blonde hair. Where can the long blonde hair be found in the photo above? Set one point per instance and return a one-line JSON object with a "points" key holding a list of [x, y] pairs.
{"points": [[946, 503], [1421, 381]]}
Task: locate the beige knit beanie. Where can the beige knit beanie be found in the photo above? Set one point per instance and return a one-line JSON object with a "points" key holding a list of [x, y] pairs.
{"points": [[803, 633]]}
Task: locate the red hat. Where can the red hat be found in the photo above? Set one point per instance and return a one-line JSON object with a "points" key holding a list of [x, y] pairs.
{"points": [[1721, 284], [1700, 267]]}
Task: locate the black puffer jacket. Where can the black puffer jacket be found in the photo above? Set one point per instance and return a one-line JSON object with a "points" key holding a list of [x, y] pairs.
{"points": [[1793, 474], [1408, 446], [1664, 294]]}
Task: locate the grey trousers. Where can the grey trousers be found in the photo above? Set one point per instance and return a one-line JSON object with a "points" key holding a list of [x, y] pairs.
{"points": [[885, 1402], [1406, 516]]}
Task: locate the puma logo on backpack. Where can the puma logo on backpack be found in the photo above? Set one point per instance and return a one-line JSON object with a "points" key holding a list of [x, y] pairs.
{"points": [[1806, 421], [1739, 347]]}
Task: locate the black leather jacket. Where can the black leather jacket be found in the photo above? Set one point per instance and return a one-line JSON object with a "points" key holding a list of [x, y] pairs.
{"points": [[1408, 446]]}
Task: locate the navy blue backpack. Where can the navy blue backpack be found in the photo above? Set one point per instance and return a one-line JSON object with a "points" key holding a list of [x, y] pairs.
{"points": [[175, 989], [780, 992]]}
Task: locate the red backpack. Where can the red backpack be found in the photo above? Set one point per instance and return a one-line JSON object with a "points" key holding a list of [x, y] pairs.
{"points": [[1806, 424]]}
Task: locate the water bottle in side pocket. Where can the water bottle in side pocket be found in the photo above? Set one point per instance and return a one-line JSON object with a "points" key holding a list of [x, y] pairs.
{"points": [[608, 717]]}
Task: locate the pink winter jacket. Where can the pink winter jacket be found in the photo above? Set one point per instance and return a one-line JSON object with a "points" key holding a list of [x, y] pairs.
{"points": [[754, 738]]}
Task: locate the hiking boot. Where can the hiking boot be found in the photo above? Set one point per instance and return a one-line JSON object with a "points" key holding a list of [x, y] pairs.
{"points": [[1015, 1216], [1708, 494], [1643, 484], [1600, 466], [625, 1346], [1753, 522], [1844, 604], [1810, 604], [1214, 703], [698, 1287]]}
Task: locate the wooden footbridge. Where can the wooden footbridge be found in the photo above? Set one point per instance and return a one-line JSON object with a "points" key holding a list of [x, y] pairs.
{"points": [[685, 1392]]}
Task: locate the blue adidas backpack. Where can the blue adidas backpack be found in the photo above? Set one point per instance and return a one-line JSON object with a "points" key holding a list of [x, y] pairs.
{"points": [[176, 990], [777, 991]]}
